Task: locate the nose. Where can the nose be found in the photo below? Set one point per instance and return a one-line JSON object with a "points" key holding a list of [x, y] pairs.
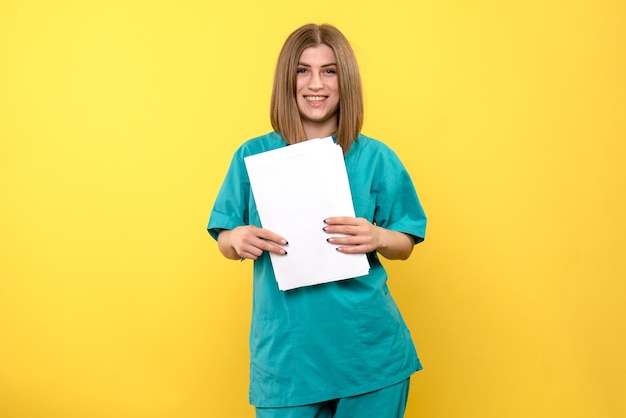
{"points": [[315, 82]]}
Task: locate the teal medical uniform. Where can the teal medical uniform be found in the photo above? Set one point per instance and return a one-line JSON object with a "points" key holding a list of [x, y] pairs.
{"points": [[338, 339]]}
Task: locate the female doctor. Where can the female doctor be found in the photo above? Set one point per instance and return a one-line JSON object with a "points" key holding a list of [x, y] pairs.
{"points": [[338, 349]]}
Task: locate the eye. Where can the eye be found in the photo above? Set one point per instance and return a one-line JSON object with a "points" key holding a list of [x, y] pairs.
{"points": [[330, 71], [301, 70]]}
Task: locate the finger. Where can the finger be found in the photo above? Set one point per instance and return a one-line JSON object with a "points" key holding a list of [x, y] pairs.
{"points": [[271, 236], [267, 246], [250, 251], [344, 229], [351, 240], [340, 220], [256, 236], [355, 249], [257, 245]]}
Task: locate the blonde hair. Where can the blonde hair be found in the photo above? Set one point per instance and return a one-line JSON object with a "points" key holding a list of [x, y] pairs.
{"points": [[284, 113]]}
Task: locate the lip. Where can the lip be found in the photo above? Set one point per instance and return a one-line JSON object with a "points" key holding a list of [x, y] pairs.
{"points": [[315, 103]]}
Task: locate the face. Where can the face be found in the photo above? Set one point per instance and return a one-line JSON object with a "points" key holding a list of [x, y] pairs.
{"points": [[317, 91]]}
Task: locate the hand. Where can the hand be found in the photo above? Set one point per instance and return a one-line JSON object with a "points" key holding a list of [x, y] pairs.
{"points": [[361, 236], [249, 242]]}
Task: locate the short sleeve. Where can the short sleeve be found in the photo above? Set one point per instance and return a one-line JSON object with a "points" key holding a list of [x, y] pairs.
{"points": [[231, 205], [397, 205]]}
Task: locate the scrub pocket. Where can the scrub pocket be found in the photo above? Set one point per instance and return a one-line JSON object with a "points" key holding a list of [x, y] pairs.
{"points": [[271, 347], [384, 335]]}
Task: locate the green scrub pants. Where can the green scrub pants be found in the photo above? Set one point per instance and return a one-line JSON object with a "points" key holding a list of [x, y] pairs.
{"points": [[389, 402]]}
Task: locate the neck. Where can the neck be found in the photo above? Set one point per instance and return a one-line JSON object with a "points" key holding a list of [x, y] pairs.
{"points": [[320, 130]]}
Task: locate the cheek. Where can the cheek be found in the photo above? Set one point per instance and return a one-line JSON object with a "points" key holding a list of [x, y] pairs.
{"points": [[335, 87], [336, 91], [300, 83]]}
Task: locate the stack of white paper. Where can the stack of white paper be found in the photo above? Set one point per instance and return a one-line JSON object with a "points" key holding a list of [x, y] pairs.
{"points": [[295, 189]]}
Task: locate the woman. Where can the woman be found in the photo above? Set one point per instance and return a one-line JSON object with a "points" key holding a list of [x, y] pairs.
{"points": [[338, 349]]}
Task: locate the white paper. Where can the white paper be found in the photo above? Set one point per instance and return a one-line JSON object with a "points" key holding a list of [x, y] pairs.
{"points": [[295, 189]]}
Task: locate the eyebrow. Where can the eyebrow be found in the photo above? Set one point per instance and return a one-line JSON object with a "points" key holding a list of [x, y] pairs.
{"points": [[333, 64]]}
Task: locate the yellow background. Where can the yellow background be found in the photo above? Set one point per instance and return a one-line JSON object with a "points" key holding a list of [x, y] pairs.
{"points": [[118, 120]]}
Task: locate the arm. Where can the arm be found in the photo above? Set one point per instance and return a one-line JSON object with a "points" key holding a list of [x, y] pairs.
{"points": [[364, 237], [249, 242]]}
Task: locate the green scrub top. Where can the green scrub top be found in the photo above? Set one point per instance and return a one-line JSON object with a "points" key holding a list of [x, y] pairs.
{"points": [[338, 339]]}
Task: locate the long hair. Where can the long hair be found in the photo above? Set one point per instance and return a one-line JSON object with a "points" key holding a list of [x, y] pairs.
{"points": [[284, 113]]}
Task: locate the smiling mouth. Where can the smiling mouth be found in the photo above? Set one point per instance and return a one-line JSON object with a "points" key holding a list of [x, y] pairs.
{"points": [[315, 99]]}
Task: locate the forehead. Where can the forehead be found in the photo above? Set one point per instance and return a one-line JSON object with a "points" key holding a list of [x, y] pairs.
{"points": [[319, 54]]}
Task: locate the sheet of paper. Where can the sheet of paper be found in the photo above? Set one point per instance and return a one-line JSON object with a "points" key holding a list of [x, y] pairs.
{"points": [[295, 189]]}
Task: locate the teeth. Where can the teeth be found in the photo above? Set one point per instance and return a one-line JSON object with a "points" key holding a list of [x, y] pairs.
{"points": [[315, 98]]}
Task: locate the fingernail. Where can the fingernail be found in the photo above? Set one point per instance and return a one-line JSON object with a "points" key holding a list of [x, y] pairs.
{"points": [[328, 239], [285, 242], [324, 229], [325, 220]]}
